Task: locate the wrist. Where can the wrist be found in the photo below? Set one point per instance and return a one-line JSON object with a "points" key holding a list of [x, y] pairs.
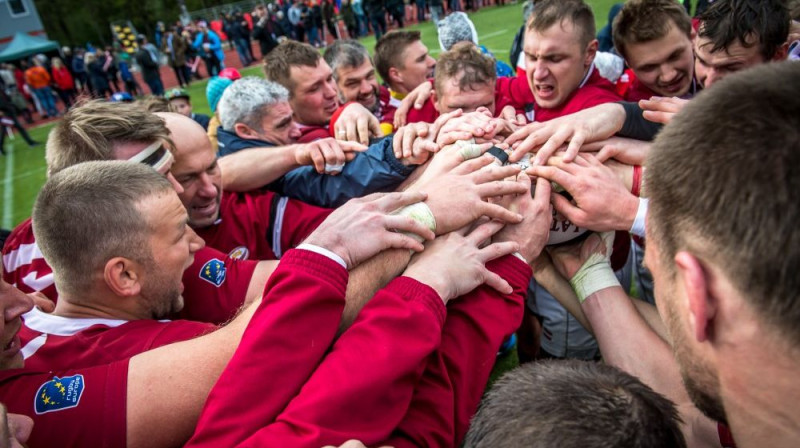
{"points": [[596, 274], [421, 213]]}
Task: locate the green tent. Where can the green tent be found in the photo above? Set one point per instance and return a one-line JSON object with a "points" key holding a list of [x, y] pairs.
{"points": [[24, 45]]}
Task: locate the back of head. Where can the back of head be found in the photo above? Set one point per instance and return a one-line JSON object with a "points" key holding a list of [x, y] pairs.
{"points": [[749, 22], [726, 190], [554, 12], [641, 21], [86, 214], [279, 62], [348, 53], [248, 100], [467, 64], [389, 50], [455, 28], [573, 404], [90, 130], [214, 89]]}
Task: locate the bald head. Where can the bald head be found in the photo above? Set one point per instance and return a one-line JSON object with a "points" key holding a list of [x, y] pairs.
{"points": [[195, 168]]}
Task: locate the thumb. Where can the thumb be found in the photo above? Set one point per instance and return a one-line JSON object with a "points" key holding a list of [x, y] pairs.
{"points": [[352, 146]]}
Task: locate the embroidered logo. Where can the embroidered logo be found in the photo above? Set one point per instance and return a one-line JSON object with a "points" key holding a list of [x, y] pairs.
{"points": [[58, 394], [240, 253], [213, 272]]}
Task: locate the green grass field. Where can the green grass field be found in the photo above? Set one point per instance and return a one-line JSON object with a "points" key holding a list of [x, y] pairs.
{"points": [[23, 168]]}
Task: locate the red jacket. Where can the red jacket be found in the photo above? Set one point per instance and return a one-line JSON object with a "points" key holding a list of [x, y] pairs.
{"points": [[63, 78]]}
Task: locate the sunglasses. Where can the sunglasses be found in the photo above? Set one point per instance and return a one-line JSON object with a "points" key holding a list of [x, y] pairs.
{"points": [[155, 156]]}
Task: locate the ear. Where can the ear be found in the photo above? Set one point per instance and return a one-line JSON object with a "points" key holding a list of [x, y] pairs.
{"points": [[244, 131], [435, 100], [693, 35], [696, 283], [781, 53], [123, 277], [395, 76], [591, 52]]}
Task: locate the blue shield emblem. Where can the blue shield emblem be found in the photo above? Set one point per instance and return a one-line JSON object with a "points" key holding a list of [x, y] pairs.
{"points": [[213, 272], [58, 394]]}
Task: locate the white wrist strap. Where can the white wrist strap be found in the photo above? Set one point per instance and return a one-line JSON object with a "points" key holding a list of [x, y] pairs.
{"points": [[596, 272], [638, 227], [468, 149], [421, 213]]}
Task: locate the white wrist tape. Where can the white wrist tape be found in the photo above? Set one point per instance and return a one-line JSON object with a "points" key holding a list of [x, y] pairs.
{"points": [[421, 213], [333, 168], [638, 227], [596, 273], [468, 148]]}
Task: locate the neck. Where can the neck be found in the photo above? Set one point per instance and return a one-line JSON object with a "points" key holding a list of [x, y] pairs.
{"points": [[95, 307], [760, 396]]}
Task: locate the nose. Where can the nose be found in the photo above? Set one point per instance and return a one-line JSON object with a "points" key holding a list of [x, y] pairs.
{"points": [[366, 87], [712, 76], [294, 132], [540, 71], [668, 73], [330, 90], [207, 188], [195, 242]]}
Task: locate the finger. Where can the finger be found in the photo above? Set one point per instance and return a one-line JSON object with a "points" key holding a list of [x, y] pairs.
{"points": [[551, 145], [499, 213], [318, 160], [508, 113], [606, 153], [497, 283], [541, 195], [333, 154], [570, 211], [397, 142], [494, 172], [574, 146], [362, 128], [352, 146], [500, 188], [406, 224], [400, 116], [448, 138], [521, 121], [471, 165], [444, 118], [484, 231], [408, 142], [396, 240], [393, 201], [523, 147], [658, 117], [374, 127], [351, 132], [42, 302], [497, 250], [552, 173]]}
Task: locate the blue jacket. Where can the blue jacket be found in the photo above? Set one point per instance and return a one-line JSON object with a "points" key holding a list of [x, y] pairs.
{"points": [[215, 45], [376, 169]]}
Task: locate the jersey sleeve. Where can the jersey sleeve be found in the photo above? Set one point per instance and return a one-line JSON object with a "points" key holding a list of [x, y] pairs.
{"points": [[179, 330], [364, 385], [287, 337], [514, 91], [297, 220], [215, 286], [24, 265], [476, 326], [81, 407]]}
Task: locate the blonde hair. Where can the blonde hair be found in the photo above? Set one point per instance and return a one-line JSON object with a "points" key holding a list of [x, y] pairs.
{"points": [[90, 130]]}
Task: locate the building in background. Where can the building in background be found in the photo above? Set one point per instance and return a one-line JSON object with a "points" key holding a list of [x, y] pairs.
{"points": [[19, 16]]}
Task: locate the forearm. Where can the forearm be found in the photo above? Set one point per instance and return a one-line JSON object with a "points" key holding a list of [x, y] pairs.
{"points": [[252, 168], [258, 281], [636, 126], [628, 342], [559, 288], [369, 277]]}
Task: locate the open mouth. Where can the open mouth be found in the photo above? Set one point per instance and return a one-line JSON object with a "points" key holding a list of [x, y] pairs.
{"points": [[673, 86], [207, 209], [545, 90]]}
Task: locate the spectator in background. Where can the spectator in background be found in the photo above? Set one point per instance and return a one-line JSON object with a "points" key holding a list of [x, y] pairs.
{"points": [[420, 11], [110, 67], [180, 102], [397, 9], [349, 18], [147, 58], [97, 77], [264, 30], [295, 16], [457, 27], [361, 18], [38, 80], [605, 35], [8, 117], [209, 46], [239, 34], [175, 46], [437, 10], [131, 86], [329, 15], [65, 85], [79, 72], [376, 11], [314, 24]]}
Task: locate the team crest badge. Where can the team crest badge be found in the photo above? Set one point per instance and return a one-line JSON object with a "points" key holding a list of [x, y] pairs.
{"points": [[58, 394], [213, 272], [240, 253]]}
